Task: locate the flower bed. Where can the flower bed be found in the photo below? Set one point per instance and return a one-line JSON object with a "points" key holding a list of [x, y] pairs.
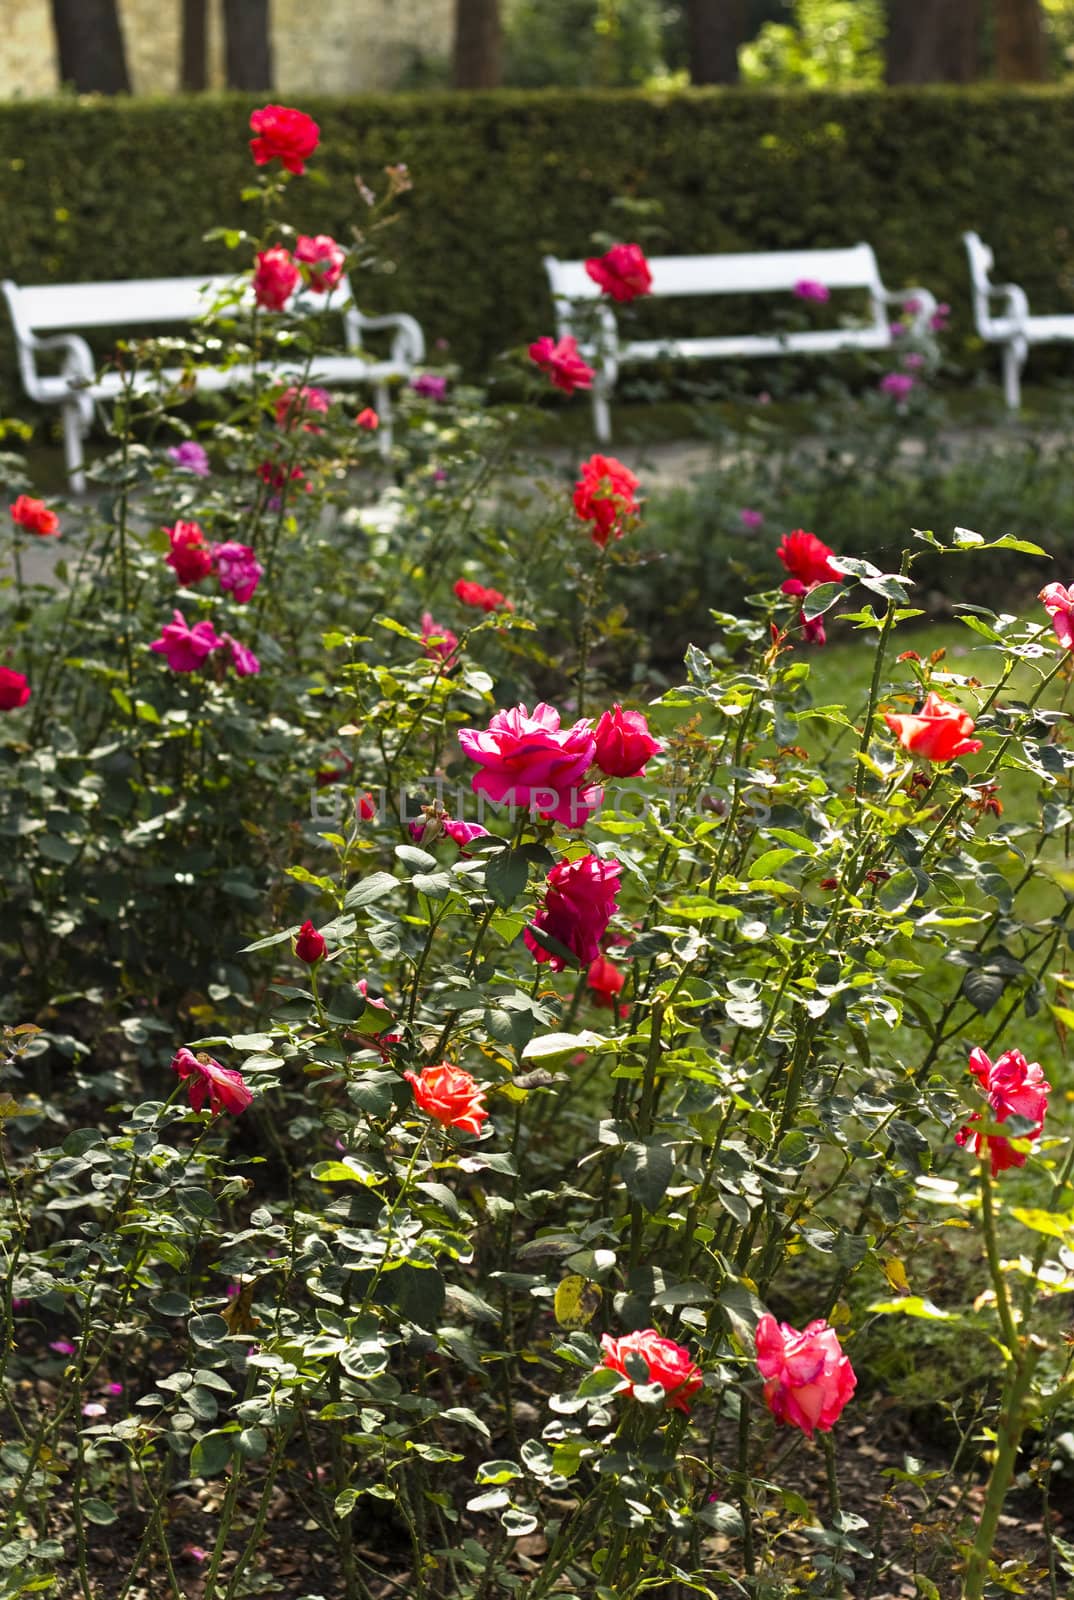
{"points": [[514, 1112]]}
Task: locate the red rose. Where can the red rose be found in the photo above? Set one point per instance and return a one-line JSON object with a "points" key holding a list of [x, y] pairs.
{"points": [[605, 980], [286, 133], [365, 807], [624, 743], [1013, 1086], [449, 1095], [579, 903], [808, 560], [368, 420], [277, 477], [309, 945], [14, 689], [35, 517], [669, 1364], [475, 594], [604, 495], [190, 557], [223, 1087], [276, 278], [323, 259], [561, 361], [623, 272], [938, 732]]}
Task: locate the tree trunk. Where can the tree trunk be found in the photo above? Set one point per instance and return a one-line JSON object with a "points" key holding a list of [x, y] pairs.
{"points": [[478, 40], [714, 33], [194, 72], [933, 41], [89, 46], [1021, 56], [247, 44]]}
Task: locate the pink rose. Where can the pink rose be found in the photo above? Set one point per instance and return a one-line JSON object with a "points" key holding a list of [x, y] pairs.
{"points": [[751, 520], [809, 1378], [898, 385], [295, 404], [183, 647], [810, 289], [1015, 1087], [242, 658], [562, 363], [624, 743], [439, 641], [430, 386], [323, 259], [238, 569], [531, 761], [275, 278], [579, 903], [224, 1088], [1058, 602]]}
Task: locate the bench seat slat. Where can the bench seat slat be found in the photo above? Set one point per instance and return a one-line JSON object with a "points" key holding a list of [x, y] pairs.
{"points": [[61, 307], [327, 369], [810, 342], [747, 273]]}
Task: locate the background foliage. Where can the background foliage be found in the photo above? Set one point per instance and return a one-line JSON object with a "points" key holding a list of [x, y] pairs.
{"points": [[507, 177]]}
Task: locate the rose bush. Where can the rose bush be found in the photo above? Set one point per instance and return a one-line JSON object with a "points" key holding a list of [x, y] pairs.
{"points": [[468, 1181]]}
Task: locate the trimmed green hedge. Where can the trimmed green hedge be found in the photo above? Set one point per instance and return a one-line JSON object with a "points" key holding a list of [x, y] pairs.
{"points": [[126, 188]]}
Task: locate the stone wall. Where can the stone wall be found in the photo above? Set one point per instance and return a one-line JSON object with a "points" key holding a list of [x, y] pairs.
{"points": [[333, 46]]}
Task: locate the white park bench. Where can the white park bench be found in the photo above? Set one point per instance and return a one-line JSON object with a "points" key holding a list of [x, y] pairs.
{"points": [[47, 318], [1013, 329], [578, 301]]}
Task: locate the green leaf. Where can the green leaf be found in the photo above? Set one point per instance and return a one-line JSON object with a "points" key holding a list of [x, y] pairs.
{"points": [[497, 1472], [983, 986], [420, 860], [770, 862], [820, 599], [646, 1170], [375, 887], [914, 1305], [468, 1418], [1056, 1224], [602, 1380], [506, 875], [211, 1454], [550, 1046], [99, 1512]]}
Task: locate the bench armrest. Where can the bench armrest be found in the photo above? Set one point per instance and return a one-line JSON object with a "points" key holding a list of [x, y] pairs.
{"points": [[925, 303], [1017, 307], [408, 341], [79, 367]]}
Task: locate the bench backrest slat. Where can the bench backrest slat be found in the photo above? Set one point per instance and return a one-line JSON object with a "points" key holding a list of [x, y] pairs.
{"points": [[747, 273], [132, 302]]}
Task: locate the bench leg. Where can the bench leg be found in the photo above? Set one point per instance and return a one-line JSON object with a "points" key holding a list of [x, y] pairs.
{"points": [[602, 416], [72, 448], [1014, 359], [382, 396]]}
